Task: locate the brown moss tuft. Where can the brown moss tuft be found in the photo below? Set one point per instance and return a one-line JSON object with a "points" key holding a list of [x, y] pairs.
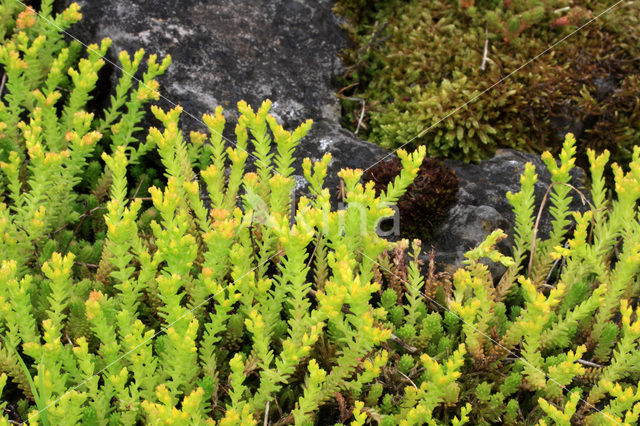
{"points": [[427, 200]]}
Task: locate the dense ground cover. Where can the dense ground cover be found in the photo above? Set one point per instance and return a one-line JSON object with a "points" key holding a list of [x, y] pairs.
{"points": [[117, 308], [414, 63]]}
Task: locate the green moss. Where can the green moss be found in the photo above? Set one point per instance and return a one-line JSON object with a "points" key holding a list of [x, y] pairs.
{"points": [[417, 64], [406, 363]]}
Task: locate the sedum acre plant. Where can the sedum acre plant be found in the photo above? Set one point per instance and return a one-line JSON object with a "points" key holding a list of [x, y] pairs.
{"points": [[260, 308], [206, 274], [50, 142], [545, 345]]}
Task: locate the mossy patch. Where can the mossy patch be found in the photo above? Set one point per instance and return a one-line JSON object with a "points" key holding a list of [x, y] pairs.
{"points": [[418, 66], [427, 200]]}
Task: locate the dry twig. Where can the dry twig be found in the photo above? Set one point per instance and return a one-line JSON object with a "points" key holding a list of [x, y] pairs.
{"points": [[486, 52]]}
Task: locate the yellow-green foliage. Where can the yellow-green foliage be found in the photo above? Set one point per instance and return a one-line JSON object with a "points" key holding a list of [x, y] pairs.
{"points": [[258, 309], [417, 64], [569, 313], [45, 124], [551, 338], [206, 266]]}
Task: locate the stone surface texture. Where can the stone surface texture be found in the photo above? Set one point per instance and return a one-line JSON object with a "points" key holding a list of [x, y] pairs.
{"points": [[482, 206], [287, 50], [224, 51]]}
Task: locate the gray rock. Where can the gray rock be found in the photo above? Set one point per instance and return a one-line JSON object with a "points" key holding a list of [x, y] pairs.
{"points": [[225, 51], [482, 206]]}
